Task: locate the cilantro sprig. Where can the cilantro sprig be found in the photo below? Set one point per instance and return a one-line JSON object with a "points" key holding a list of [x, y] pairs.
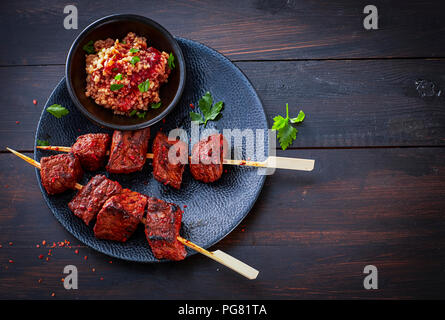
{"points": [[57, 110], [42, 142], [286, 132], [210, 112]]}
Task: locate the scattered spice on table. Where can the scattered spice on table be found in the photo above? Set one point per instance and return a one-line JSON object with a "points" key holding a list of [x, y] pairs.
{"points": [[34, 101]]}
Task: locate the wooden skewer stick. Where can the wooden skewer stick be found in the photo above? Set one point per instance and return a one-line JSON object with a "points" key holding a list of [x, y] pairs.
{"points": [[218, 255], [270, 162]]}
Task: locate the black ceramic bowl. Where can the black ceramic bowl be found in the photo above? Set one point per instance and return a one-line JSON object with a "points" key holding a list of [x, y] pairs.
{"points": [[117, 27]]}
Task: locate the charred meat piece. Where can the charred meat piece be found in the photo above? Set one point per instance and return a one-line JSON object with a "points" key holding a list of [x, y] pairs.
{"points": [[162, 226], [169, 170], [128, 151], [207, 158], [120, 216], [91, 149], [60, 172], [90, 199]]}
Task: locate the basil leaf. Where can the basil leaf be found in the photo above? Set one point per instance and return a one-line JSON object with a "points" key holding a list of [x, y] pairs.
{"points": [[134, 50], [116, 86], [132, 113], [57, 110], [118, 77]]}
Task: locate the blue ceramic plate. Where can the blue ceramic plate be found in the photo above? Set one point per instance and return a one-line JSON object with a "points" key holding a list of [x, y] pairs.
{"points": [[212, 210]]}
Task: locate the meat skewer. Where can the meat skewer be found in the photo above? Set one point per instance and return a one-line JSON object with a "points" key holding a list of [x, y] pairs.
{"points": [[270, 162], [217, 255]]}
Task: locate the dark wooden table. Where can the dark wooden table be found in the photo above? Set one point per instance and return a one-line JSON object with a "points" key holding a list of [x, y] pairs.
{"points": [[376, 196]]}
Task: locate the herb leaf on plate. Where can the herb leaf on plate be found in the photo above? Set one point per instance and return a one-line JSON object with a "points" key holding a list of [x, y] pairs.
{"points": [[209, 111], [57, 110], [42, 142], [286, 132]]}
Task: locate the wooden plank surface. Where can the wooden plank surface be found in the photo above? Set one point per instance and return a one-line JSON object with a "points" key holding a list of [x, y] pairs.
{"points": [[376, 195], [343, 108], [254, 29], [358, 207]]}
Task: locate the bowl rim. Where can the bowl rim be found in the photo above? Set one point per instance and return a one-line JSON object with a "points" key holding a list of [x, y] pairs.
{"points": [[179, 59]]}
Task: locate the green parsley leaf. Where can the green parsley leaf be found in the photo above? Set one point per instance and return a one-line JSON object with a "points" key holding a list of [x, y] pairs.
{"points": [[57, 110], [118, 77], [116, 86], [89, 47], [141, 115], [135, 59], [42, 142], [156, 105], [171, 61], [132, 113], [134, 50], [286, 132], [210, 112], [196, 117], [144, 86], [299, 118]]}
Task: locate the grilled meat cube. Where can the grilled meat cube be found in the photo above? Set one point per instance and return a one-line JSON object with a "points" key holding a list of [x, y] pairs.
{"points": [[91, 149], [162, 226], [207, 158], [90, 199], [120, 216], [60, 172], [165, 171], [128, 151]]}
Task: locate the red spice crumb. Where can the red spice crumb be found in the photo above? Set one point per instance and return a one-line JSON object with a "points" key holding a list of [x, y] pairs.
{"points": [[192, 106], [10, 243], [101, 278], [242, 230], [11, 261], [17, 122], [185, 206], [76, 251], [41, 256], [110, 261], [34, 101], [86, 257], [94, 269], [43, 242], [53, 294], [163, 120], [47, 258], [225, 171], [63, 279], [37, 245]]}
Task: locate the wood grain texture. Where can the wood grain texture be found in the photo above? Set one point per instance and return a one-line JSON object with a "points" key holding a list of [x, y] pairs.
{"points": [[254, 29], [347, 103], [309, 234]]}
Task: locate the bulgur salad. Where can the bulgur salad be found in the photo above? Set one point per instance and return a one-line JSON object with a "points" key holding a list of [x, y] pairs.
{"points": [[125, 76]]}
